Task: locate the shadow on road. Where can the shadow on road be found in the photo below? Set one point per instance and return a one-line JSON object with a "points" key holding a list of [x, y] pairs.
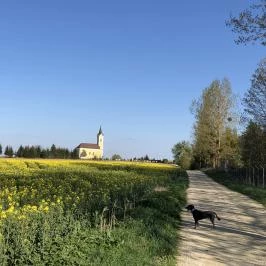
{"points": [[238, 239]]}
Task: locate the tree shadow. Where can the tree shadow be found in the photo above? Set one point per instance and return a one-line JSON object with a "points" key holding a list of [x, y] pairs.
{"points": [[238, 239]]}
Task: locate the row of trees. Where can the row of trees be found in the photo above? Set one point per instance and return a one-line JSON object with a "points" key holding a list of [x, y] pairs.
{"points": [[39, 152], [117, 157], [61, 153], [216, 141], [8, 151]]}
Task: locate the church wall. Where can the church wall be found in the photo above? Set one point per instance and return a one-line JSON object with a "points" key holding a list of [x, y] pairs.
{"points": [[90, 153]]}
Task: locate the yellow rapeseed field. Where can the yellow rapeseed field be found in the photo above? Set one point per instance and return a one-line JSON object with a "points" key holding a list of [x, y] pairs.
{"points": [[32, 186]]}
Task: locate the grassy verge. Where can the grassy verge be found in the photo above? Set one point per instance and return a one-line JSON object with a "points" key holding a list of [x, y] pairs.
{"points": [[150, 235], [258, 194]]}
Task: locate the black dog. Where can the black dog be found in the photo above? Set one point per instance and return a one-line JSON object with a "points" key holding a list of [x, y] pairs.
{"points": [[199, 215]]}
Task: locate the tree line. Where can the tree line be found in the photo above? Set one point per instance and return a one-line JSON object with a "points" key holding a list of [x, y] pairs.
{"points": [[36, 151], [146, 158], [216, 142]]}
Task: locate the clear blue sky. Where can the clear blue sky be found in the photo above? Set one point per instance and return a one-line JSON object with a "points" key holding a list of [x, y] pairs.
{"points": [[67, 67]]}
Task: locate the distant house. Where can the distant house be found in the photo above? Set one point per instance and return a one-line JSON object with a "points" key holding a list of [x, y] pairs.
{"points": [[91, 150]]}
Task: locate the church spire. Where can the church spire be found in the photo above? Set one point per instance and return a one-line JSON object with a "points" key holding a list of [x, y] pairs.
{"points": [[100, 131], [100, 138]]}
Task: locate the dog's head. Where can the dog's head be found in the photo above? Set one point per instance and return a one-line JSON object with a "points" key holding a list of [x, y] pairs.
{"points": [[190, 207]]}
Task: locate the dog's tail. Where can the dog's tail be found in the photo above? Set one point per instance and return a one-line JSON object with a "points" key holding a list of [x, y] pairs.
{"points": [[217, 216]]}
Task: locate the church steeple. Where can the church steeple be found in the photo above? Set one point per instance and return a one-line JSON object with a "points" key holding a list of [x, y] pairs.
{"points": [[100, 131], [100, 138]]}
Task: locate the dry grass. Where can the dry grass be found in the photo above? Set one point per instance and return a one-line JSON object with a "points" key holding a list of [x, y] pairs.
{"points": [[160, 189]]}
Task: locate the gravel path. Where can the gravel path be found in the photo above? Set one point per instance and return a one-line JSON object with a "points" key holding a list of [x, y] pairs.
{"points": [[238, 239]]}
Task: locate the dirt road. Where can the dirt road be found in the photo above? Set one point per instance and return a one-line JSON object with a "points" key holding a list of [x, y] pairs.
{"points": [[238, 239]]}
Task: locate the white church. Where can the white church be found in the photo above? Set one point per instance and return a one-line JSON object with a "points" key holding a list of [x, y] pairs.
{"points": [[92, 150]]}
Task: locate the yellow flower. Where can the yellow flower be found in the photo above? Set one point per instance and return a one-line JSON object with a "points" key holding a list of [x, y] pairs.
{"points": [[34, 208], [11, 209]]}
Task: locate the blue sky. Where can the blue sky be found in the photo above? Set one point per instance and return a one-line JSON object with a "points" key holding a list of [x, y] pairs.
{"points": [[134, 67]]}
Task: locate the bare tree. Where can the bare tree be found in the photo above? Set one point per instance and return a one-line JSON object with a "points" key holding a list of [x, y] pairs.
{"points": [[255, 99], [250, 25]]}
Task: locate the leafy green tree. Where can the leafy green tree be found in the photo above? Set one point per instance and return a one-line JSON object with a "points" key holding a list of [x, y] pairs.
{"points": [[255, 99], [44, 153], [211, 111], [146, 157], [74, 154], [250, 25], [9, 151], [230, 148], [253, 146], [20, 151], [1, 149], [182, 152], [53, 151], [32, 152], [116, 157], [38, 150]]}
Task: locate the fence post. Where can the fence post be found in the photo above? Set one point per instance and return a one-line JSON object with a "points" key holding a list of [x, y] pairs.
{"points": [[258, 178], [263, 181], [253, 176]]}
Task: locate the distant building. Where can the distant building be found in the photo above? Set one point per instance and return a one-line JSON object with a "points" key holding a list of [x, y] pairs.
{"points": [[91, 150]]}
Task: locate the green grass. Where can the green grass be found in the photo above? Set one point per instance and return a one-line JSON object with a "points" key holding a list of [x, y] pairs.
{"points": [[256, 193]]}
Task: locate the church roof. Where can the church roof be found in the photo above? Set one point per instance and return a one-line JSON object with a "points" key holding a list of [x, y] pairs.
{"points": [[89, 146]]}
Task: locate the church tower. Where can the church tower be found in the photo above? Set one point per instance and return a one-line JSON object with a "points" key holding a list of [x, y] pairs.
{"points": [[100, 139]]}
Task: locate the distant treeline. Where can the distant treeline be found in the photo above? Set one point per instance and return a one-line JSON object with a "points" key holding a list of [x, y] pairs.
{"points": [[36, 151], [146, 158]]}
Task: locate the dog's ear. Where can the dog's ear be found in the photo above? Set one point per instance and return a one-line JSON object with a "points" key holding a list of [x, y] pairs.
{"points": [[190, 207]]}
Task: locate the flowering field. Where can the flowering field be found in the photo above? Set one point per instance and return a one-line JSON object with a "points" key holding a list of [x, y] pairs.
{"points": [[44, 203]]}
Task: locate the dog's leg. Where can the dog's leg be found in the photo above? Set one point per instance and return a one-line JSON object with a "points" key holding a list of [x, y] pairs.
{"points": [[212, 220], [195, 224]]}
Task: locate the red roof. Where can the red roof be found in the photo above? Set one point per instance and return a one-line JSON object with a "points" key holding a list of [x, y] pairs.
{"points": [[89, 146]]}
